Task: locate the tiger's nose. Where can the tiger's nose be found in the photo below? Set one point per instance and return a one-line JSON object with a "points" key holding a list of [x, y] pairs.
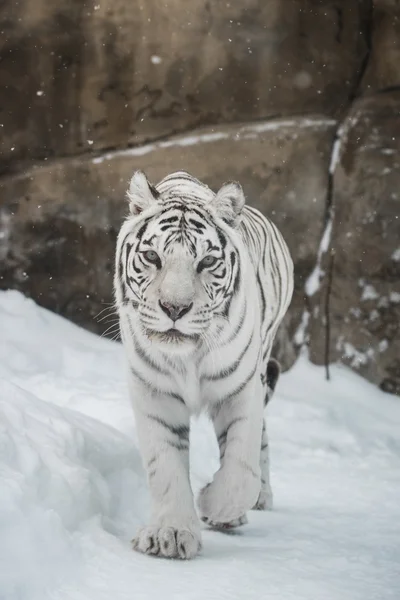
{"points": [[175, 312]]}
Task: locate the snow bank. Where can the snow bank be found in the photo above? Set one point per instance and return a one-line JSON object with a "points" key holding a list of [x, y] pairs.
{"points": [[72, 489]]}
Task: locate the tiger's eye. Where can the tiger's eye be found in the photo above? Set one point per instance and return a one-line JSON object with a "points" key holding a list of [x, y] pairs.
{"points": [[151, 256], [208, 261]]}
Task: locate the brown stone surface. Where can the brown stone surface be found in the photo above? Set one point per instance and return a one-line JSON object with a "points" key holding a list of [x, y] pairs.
{"points": [[383, 69], [85, 75], [365, 295], [59, 221]]}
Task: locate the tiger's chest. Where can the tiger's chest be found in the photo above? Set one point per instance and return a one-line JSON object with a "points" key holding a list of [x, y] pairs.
{"points": [[204, 383], [187, 383], [193, 388]]}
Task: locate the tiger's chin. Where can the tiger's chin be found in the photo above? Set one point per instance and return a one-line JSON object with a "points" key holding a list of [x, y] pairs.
{"points": [[173, 340]]}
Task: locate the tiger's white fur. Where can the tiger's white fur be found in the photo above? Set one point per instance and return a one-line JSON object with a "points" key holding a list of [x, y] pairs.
{"points": [[202, 283]]}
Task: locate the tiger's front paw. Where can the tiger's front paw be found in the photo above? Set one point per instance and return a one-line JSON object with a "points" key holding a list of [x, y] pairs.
{"points": [[265, 500], [168, 542], [229, 496], [227, 526]]}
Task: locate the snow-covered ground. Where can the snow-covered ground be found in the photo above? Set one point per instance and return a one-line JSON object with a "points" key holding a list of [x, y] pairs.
{"points": [[72, 490]]}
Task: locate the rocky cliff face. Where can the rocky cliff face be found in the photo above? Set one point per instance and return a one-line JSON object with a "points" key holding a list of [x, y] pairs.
{"points": [[358, 302], [298, 101]]}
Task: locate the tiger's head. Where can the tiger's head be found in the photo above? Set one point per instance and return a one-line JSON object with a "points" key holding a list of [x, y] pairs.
{"points": [[178, 258]]}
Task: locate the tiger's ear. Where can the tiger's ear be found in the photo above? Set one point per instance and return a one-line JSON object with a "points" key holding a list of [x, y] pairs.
{"points": [[229, 202], [141, 194]]}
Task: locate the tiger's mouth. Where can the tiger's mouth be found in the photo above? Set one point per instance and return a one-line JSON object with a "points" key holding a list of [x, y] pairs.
{"points": [[171, 336]]}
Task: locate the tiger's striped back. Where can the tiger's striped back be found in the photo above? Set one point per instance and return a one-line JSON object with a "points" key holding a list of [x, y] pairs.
{"points": [[273, 265]]}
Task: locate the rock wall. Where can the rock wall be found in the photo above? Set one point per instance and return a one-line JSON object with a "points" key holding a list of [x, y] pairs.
{"points": [[362, 285], [86, 75], [298, 100]]}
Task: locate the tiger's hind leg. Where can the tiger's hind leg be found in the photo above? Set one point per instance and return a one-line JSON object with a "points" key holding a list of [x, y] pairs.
{"points": [[228, 525], [265, 499]]}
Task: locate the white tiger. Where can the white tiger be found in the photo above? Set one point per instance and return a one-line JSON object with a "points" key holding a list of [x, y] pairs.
{"points": [[202, 283]]}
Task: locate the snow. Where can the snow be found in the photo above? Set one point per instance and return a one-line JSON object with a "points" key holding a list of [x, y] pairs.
{"points": [[336, 149], [340, 140], [206, 136], [396, 255], [358, 358], [314, 280], [394, 297], [383, 345], [301, 337], [73, 492], [369, 293]]}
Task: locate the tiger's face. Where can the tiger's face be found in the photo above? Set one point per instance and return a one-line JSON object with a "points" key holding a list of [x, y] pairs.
{"points": [[178, 259]]}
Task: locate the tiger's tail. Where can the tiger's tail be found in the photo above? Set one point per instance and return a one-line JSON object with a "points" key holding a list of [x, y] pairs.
{"points": [[272, 375]]}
